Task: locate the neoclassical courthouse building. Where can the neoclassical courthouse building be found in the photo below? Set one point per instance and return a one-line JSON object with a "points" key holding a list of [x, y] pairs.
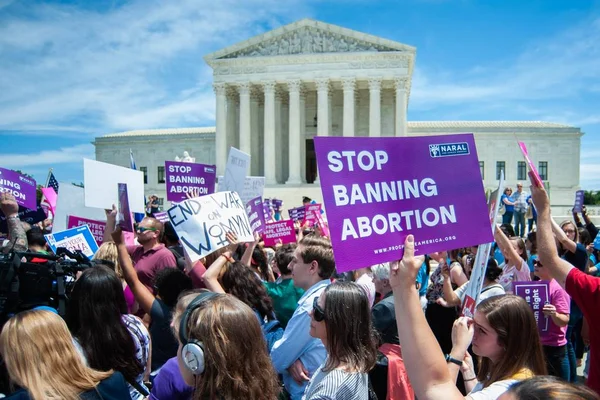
{"points": [[276, 91]]}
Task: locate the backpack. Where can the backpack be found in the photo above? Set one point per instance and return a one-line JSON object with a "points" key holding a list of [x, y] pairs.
{"points": [[272, 331]]}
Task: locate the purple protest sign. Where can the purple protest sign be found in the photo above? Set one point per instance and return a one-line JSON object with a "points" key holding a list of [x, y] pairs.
{"points": [[182, 177], [96, 227], [280, 231], [297, 214], [536, 294], [578, 206], [162, 216], [20, 186], [256, 215], [267, 210], [277, 204], [124, 220], [379, 190]]}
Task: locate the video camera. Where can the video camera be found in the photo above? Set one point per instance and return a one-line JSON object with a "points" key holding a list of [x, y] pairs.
{"points": [[29, 280]]}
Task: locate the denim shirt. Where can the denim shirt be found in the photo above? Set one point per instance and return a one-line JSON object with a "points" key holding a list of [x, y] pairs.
{"points": [[297, 343]]}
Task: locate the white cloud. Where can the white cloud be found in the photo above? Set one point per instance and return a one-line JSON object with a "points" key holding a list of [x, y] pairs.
{"points": [[136, 66], [63, 155]]}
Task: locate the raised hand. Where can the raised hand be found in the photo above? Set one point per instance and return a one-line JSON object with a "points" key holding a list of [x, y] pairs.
{"points": [[8, 204], [404, 272]]}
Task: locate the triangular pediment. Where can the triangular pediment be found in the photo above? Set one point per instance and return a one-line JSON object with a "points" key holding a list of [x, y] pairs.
{"points": [[308, 37]]}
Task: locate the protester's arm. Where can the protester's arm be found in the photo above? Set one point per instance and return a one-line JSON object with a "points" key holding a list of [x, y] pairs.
{"points": [[507, 248], [111, 221], [507, 201], [247, 256], [211, 276], [462, 335], [422, 355], [457, 275], [142, 295], [16, 232], [547, 252], [562, 237], [449, 299], [289, 348]]}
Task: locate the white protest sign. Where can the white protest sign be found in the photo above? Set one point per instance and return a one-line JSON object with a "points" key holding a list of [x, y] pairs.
{"points": [[71, 202], [202, 223], [483, 253], [254, 186], [236, 170], [101, 185]]}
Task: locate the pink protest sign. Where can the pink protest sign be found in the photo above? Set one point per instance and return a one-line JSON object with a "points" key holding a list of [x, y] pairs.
{"points": [[379, 190], [310, 213], [534, 173], [323, 225], [536, 294], [96, 227], [279, 232]]}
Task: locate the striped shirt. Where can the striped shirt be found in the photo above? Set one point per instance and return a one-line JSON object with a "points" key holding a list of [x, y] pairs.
{"points": [[337, 384]]}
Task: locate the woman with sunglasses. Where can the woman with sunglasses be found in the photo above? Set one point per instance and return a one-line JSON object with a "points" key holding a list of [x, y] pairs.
{"points": [[341, 318], [554, 341]]}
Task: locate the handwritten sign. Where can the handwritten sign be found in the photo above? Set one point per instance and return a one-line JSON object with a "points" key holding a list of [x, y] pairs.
{"points": [[279, 232], [202, 223], [254, 186], [182, 177], [536, 294], [379, 190], [20, 186], [483, 252], [236, 170], [74, 239], [256, 215], [96, 227], [578, 206]]}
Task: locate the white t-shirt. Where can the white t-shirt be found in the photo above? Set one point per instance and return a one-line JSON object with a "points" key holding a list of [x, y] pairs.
{"points": [[511, 274], [365, 281], [491, 392]]}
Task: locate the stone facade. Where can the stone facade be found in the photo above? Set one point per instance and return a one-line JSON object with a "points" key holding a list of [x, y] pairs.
{"points": [[276, 91]]}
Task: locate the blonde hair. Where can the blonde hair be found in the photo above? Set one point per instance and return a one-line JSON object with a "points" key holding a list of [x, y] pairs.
{"points": [[108, 251], [40, 356]]}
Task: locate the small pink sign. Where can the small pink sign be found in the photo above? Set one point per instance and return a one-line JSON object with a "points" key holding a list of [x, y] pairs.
{"points": [[311, 212], [279, 232], [96, 227], [533, 170]]}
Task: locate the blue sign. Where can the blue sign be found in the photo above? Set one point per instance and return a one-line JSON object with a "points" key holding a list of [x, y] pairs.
{"points": [[79, 238]]}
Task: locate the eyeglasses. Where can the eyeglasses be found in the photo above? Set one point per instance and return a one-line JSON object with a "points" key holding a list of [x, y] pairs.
{"points": [[569, 231], [318, 312], [141, 229]]}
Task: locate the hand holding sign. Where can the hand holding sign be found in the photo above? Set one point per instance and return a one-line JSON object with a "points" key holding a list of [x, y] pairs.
{"points": [[403, 273], [8, 204], [539, 196]]}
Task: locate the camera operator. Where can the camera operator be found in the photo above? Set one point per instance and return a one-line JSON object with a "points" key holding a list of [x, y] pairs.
{"points": [[17, 238]]}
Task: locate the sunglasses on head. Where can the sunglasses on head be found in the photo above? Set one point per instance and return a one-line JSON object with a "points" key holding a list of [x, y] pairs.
{"points": [[141, 229], [318, 312], [537, 263]]}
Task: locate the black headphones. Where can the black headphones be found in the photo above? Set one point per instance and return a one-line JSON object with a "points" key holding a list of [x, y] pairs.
{"points": [[192, 351]]}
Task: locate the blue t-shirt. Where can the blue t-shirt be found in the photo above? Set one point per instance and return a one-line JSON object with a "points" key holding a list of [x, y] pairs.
{"points": [[423, 279], [498, 256], [530, 261], [507, 207]]}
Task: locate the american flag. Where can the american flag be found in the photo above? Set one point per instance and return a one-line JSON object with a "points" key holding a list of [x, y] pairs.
{"points": [[52, 182]]}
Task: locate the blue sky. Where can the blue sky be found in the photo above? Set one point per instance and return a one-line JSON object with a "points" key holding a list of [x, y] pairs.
{"points": [[73, 70]]}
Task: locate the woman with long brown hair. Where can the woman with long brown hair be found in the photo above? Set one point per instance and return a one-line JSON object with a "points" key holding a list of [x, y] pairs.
{"points": [[222, 353], [39, 354], [341, 318]]}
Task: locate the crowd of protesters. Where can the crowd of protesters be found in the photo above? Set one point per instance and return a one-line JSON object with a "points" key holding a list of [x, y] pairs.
{"points": [[256, 322]]}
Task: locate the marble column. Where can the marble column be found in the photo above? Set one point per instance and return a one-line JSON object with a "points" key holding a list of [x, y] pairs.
{"points": [[279, 152], [270, 165], [401, 105], [348, 85], [232, 117], [322, 107], [303, 134], [375, 107], [245, 121], [221, 127], [294, 177], [255, 150]]}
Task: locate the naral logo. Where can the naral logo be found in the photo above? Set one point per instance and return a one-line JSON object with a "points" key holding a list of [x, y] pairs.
{"points": [[26, 180], [209, 169], [448, 149]]}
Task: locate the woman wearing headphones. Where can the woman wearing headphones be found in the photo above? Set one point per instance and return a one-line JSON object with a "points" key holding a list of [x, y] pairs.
{"points": [[39, 354], [222, 352]]}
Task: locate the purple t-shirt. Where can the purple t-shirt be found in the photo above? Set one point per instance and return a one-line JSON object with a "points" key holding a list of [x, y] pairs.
{"points": [[556, 336], [169, 384]]}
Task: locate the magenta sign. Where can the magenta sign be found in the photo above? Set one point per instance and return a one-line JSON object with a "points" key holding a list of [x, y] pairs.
{"points": [[279, 232], [379, 190]]}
